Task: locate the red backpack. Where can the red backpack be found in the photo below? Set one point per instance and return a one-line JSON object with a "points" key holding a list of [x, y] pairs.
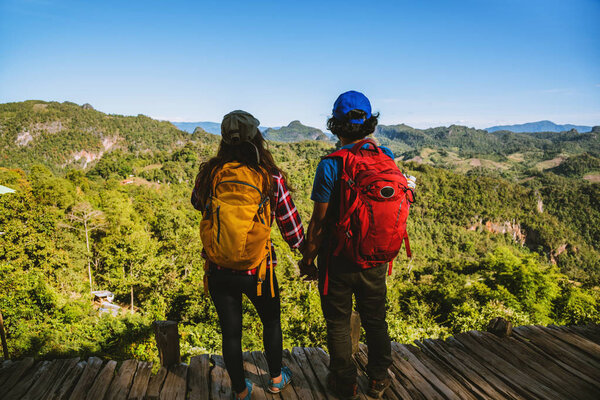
{"points": [[374, 203]]}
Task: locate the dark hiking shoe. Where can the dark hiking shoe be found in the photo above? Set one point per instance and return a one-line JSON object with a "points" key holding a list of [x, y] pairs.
{"points": [[348, 391], [376, 388]]}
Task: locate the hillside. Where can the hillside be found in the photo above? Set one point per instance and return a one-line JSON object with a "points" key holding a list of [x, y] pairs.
{"points": [[66, 134], [539, 126], [294, 132]]}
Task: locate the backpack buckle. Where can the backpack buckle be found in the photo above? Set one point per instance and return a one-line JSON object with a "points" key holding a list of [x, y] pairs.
{"points": [[348, 234], [350, 182]]}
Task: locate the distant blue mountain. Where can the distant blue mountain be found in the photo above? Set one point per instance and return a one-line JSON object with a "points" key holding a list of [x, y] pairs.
{"points": [[210, 127], [540, 126]]}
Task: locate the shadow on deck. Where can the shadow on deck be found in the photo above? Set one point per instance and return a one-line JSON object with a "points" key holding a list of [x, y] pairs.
{"points": [[534, 363]]}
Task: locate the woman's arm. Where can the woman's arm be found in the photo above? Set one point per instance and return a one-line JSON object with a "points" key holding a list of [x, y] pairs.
{"points": [[287, 216]]}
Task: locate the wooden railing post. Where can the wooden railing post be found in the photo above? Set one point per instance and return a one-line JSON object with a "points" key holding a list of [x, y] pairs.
{"points": [[167, 340], [3, 338], [500, 327], [355, 330]]}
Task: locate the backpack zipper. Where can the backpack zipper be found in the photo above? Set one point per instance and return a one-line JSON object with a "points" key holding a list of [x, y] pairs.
{"points": [[218, 225], [399, 211], [241, 183]]}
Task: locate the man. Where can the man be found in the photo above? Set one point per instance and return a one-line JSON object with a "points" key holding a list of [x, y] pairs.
{"points": [[340, 276]]}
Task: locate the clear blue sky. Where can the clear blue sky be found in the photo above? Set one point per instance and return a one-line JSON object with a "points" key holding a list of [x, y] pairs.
{"points": [[424, 63]]}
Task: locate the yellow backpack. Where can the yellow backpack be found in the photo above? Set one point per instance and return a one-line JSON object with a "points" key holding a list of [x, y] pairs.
{"points": [[236, 223]]}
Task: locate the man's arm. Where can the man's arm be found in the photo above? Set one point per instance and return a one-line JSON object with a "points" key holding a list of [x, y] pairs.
{"points": [[316, 231]]}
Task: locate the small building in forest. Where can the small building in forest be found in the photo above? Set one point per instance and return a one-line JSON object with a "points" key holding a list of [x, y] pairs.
{"points": [[5, 190]]}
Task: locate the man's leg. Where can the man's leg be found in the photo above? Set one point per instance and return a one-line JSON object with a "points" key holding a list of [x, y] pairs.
{"points": [[371, 302], [337, 309]]}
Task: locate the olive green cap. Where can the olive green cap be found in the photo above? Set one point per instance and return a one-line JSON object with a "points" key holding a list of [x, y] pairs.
{"points": [[239, 126]]}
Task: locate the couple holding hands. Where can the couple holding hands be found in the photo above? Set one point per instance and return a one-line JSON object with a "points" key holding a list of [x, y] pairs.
{"points": [[361, 202]]}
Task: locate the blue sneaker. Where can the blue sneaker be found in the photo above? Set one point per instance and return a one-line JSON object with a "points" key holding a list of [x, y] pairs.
{"points": [[249, 387], [286, 378]]}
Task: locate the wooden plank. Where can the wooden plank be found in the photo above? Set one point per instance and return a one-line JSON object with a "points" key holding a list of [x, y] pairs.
{"points": [[254, 372], [552, 360], [87, 378], [299, 380], [155, 384], [198, 377], [557, 352], [60, 377], [320, 369], [419, 385], [140, 381], [44, 381], [361, 379], [583, 344], [220, 384], [461, 386], [591, 331], [513, 376], [71, 378], [579, 331], [542, 369], [584, 356], [469, 369], [527, 364], [318, 391], [437, 384], [119, 388], [14, 374], [23, 385], [102, 382], [7, 366], [395, 391], [175, 386]]}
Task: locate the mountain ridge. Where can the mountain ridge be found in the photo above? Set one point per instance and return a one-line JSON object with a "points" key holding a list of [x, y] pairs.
{"points": [[539, 126]]}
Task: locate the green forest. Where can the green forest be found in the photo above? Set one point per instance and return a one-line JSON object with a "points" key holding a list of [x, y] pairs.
{"points": [[516, 234]]}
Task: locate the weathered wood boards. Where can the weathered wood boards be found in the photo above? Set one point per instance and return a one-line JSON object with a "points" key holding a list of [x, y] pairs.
{"points": [[155, 384], [102, 382], [140, 381], [119, 388], [175, 385], [198, 378], [534, 363]]}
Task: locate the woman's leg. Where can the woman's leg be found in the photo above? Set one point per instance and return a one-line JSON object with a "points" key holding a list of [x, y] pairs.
{"points": [[227, 296], [269, 311]]}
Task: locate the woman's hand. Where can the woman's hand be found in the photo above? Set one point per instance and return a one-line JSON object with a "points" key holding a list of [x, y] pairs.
{"points": [[308, 271]]}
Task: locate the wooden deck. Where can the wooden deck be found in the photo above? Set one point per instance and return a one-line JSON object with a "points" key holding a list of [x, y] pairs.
{"points": [[534, 363]]}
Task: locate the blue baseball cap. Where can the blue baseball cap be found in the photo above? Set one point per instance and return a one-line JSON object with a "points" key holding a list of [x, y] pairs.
{"points": [[349, 101]]}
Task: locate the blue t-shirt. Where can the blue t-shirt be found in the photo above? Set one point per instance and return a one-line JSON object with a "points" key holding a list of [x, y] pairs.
{"points": [[329, 172]]}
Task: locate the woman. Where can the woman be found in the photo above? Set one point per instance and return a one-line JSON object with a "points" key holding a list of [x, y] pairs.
{"points": [[240, 191]]}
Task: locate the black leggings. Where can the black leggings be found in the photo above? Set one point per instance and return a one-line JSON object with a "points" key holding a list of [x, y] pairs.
{"points": [[226, 290]]}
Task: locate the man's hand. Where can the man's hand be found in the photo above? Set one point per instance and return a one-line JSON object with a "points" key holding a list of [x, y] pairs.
{"points": [[308, 271]]}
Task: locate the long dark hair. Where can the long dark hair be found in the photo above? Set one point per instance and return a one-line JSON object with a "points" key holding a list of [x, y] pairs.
{"points": [[346, 129], [246, 153]]}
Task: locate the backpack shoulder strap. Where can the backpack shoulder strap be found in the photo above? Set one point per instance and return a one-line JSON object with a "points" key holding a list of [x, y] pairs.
{"points": [[363, 143], [341, 153]]}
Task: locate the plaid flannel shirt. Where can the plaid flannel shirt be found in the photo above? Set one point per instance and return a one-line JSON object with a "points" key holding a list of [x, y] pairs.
{"points": [[288, 221]]}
